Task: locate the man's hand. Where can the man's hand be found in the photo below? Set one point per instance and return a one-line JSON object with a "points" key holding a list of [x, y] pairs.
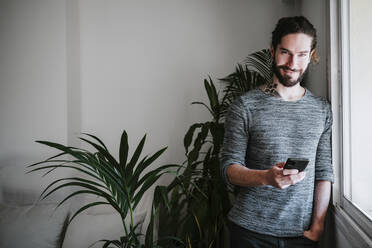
{"points": [[314, 233], [283, 178]]}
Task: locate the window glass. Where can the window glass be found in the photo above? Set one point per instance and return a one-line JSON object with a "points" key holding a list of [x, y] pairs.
{"points": [[358, 178]]}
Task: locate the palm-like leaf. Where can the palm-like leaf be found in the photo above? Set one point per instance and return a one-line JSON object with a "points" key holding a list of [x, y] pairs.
{"points": [[239, 82], [119, 184], [261, 63]]}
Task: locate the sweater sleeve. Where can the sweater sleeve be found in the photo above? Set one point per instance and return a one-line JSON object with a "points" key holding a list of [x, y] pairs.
{"points": [[236, 137], [323, 162]]}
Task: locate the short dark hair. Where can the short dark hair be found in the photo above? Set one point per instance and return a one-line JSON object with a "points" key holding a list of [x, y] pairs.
{"points": [[293, 25]]}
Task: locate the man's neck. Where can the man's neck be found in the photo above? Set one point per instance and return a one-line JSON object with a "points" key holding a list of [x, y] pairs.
{"points": [[293, 93]]}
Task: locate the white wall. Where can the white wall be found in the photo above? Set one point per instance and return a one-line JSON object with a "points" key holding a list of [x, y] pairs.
{"points": [[32, 78], [143, 63]]}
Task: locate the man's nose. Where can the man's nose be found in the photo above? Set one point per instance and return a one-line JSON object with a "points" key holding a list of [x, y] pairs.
{"points": [[292, 62]]}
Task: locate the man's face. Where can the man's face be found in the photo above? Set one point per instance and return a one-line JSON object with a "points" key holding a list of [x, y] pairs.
{"points": [[291, 58]]}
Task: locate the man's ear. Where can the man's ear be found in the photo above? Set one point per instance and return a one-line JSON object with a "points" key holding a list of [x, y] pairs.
{"points": [[314, 57], [312, 53]]}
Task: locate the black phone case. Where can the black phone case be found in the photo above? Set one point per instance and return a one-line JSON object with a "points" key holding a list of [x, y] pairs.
{"points": [[296, 163]]}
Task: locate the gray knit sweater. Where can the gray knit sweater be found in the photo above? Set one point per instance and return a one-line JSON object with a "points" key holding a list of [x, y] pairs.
{"points": [[261, 130]]}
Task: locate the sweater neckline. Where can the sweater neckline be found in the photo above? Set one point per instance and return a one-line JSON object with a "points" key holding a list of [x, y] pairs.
{"points": [[279, 99]]}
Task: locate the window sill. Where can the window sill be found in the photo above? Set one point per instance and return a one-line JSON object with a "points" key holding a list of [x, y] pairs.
{"points": [[350, 231]]}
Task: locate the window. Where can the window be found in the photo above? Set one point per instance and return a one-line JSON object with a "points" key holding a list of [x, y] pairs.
{"points": [[358, 185], [354, 107]]}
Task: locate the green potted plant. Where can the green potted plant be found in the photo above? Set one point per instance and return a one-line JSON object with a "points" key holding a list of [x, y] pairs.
{"points": [[194, 206], [121, 184]]}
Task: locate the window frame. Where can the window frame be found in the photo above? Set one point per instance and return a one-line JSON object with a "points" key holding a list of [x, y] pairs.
{"points": [[340, 95]]}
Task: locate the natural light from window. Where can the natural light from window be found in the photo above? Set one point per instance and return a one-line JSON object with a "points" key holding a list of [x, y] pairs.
{"points": [[358, 178]]}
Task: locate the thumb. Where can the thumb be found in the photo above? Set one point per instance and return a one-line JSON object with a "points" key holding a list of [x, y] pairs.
{"points": [[280, 164]]}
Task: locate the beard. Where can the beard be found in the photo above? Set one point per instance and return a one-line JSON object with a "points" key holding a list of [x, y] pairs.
{"points": [[287, 81]]}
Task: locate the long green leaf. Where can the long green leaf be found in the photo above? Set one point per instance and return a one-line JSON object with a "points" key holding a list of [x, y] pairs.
{"points": [[153, 172], [150, 228], [206, 106], [87, 186], [146, 185], [97, 139], [65, 166], [199, 141], [134, 178], [212, 95], [107, 170], [46, 160], [63, 148], [109, 178], [77, 193], [107, 155], [188, 137], [141, 167], [72, 178], [123, 150], [207, 87], [135, 157]]}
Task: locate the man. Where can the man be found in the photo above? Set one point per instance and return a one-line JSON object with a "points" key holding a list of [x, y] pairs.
{"points": [[279, 207]]}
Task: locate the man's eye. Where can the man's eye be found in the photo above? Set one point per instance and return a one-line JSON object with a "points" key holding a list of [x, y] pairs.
{"points": [[303, 55], [284, 52]]}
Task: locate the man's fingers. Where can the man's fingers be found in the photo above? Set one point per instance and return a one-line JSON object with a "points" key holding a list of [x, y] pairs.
{"points": [[298, 177], [283, 178], [302, 175], [290, 172], [293, 179]]}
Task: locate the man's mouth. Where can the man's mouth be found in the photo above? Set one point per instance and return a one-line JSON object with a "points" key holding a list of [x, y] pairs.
{"points": [[289, 71]]}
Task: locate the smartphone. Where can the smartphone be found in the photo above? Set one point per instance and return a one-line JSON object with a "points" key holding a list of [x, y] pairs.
{"points": [[296, 163]]}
